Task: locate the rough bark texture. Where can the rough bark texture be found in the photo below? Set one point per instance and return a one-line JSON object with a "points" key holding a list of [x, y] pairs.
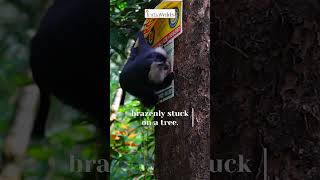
{"points": [[266, 85], [182, 152]]}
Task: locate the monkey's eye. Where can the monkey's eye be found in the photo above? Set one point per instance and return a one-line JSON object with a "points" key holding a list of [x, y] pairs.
{"points": [[160, 59]]}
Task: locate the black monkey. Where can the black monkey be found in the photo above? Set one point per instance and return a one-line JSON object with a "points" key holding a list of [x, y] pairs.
{"points": [[68, 59], [146, 71]]}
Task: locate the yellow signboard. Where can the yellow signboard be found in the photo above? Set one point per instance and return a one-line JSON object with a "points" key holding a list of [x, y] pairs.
{"points": [[161, 30]]}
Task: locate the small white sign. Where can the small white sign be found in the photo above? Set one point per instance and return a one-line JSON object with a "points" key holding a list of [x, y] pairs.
{"points": [[160, 13]]}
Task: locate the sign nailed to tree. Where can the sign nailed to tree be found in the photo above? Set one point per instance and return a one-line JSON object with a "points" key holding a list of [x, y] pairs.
{"points": [[158, 31], [162, 32]]}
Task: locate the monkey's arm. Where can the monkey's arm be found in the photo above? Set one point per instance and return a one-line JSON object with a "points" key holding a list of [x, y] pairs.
{"points": [[133, 53], [140, 43]]}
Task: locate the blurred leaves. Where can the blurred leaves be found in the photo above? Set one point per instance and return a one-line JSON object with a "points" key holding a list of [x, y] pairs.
{"points": [[126, 19], [17, 24], [132, 145], [41, 153]]}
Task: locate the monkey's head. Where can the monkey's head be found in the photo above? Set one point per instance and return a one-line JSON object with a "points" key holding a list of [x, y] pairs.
{"points": [[145, 64], [157, 57], [160, 67], [146, 71]]}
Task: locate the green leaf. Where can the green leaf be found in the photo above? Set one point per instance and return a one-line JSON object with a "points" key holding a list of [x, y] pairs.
{"points": [[40, 153]]}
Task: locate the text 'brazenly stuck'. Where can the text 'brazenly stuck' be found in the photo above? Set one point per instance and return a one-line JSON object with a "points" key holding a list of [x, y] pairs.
{"points": [[160, 113]]}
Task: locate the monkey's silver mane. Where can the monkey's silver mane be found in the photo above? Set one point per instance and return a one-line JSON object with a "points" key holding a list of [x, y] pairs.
{"points": [[161, 51]]}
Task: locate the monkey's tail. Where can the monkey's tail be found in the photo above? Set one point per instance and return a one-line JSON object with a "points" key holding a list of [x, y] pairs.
{"points": [[42, 115], [123, 97]]}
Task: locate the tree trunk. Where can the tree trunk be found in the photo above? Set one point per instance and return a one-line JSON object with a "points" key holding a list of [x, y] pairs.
{"points": [[266, 85], [182, 152]]}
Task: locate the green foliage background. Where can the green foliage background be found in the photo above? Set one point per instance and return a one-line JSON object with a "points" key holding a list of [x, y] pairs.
{"points": [[132, 145], [70, 133]]}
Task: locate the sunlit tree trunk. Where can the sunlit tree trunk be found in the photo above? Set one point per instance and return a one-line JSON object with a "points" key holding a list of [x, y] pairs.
{"points": [[182, 152]]}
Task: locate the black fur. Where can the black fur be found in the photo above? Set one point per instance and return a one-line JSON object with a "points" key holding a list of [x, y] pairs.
{"points": [[134, 76], [69, 58]]}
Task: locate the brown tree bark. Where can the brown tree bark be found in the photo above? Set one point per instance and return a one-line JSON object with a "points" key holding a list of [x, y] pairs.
{"points": [[182, 151], [266, 82]]}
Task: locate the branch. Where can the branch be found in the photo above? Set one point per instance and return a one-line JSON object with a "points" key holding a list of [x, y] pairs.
{"points": [[18, 138], [116, 104]]}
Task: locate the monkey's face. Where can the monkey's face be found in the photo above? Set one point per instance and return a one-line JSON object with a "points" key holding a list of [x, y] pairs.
{"points": [[158, 71], [160, 66]]}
